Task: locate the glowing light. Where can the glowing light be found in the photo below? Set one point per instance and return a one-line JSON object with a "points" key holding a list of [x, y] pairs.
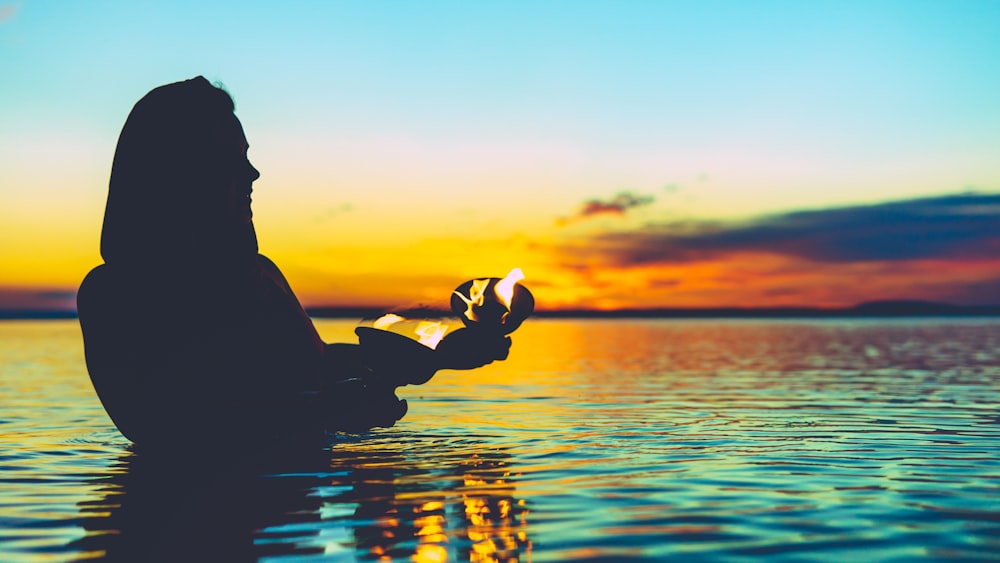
{"points": [[432, 505], [385, 321], [476, 294], [430, 553], [430, 333], [484, 548], [505, 287]]}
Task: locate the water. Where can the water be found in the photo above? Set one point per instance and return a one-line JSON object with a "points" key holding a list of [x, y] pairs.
{"points": [[597, 440]]}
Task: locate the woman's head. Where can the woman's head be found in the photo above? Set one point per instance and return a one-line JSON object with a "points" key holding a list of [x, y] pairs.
{"points": [[180, 183]]}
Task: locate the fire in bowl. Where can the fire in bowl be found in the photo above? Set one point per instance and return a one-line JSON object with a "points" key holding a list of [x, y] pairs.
{"points": [[493, 303]]}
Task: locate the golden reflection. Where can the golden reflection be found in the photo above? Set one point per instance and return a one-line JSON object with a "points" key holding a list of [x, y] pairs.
{"points": [[427, 553], [497, 532], [450, 506], [433, 505]]}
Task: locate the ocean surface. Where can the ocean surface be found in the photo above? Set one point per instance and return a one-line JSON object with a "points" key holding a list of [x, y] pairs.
{"points": [[598, 440]]}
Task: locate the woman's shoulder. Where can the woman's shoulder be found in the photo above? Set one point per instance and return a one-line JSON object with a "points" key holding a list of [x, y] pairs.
{"points": [[108, 292], [95, 286], [267, 265], [273, 273], [95, 276], [105, 284]]}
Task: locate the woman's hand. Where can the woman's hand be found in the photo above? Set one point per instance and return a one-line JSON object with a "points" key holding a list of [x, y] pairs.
{"points": [[390, 360], [470, 348]]}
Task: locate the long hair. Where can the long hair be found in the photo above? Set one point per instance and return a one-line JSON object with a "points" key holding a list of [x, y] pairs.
{"points": [[167, 194]]}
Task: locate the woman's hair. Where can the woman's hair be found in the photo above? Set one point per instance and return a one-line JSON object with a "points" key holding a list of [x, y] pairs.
{"points": [[168, 192]]}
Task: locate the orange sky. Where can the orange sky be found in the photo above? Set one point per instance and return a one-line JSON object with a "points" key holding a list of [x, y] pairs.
{"points": [[649, 155]]}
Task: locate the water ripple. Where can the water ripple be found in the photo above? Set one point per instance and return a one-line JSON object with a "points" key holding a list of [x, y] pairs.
{"points": [[597, 441]]}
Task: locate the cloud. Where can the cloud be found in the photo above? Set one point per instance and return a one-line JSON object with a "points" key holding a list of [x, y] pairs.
{"points": [[27, 298], [972, 293], [617, 205], [963, 226], [331, 212]]}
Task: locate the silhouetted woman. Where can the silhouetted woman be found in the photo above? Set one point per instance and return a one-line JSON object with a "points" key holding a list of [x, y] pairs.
{"points": [[191, 335]]}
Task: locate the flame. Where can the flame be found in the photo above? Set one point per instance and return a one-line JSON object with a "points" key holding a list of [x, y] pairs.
{"points": [[430, 333], [505, 287], [476, 294], [385, 321]]}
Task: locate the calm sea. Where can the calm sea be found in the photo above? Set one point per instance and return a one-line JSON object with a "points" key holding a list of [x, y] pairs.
{"points": [[598, 440]]}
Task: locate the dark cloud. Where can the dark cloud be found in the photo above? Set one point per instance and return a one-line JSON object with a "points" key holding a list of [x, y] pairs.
{"points": [[782, 292], [965, 226], [973, 293], [663, 283], [331, 212], [23, 298], [617, 205]]}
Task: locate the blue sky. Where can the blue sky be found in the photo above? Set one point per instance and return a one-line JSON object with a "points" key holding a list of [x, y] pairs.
{"points": [[367, 111]]}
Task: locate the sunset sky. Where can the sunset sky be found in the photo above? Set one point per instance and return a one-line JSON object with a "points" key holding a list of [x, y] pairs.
{"points": [[623, 154]]}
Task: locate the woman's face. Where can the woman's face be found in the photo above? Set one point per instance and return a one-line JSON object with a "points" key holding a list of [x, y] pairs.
{"points": [[241, 174]]}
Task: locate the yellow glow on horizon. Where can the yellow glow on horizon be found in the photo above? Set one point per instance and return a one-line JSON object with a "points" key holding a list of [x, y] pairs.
{"points": [[427, 271], [343, 246]]}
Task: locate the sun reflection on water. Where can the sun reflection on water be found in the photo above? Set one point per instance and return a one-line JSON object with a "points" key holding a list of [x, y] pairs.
{"points": [[462, 508]]}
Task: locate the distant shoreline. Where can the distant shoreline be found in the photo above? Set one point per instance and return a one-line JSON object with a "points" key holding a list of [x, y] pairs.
{"points": [[877, 309]]}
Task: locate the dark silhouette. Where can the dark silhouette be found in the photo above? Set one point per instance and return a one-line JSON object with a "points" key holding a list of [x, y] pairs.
{"points": [[191, 336]]}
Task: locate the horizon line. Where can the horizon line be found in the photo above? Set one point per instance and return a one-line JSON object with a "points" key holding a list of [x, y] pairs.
{"points": [[888, 308]]}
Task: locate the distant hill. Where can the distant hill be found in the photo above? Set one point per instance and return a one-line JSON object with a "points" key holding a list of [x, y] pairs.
{"points": [[899, 308], [896, 308], [868, 309], [908, 308]]}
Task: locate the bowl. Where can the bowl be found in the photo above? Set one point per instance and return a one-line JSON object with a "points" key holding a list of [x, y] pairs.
{"points": [[476, 302]]}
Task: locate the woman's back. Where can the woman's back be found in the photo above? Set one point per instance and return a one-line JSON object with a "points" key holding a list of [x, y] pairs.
{"points": [[172, 359]]}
